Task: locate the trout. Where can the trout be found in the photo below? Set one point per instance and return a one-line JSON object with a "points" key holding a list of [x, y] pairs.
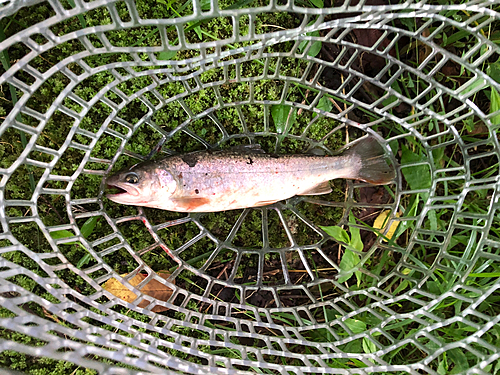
{"points": [[244, 176]]}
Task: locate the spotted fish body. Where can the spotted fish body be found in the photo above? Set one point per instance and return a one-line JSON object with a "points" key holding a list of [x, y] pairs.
{"points": [[209, 181]]}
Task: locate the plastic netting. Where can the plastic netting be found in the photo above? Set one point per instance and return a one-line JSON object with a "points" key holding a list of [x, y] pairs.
{"points": [[272, 289]]}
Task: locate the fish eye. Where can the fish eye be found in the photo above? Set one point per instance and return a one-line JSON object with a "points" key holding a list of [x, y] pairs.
{"points": [[132, 178]]}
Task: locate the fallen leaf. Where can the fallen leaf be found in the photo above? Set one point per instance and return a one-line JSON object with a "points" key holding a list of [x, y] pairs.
{"points": [[153, 288], [381, 223]]}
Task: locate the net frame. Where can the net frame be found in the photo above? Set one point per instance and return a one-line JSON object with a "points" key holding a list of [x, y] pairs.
{"points": [[141, 349]]}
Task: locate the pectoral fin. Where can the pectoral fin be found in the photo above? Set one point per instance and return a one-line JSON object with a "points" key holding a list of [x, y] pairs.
{"points": [[323, 188], [190, 203]]}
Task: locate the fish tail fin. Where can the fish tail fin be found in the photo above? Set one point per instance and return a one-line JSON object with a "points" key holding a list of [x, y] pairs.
{"points": [[374, 168]]}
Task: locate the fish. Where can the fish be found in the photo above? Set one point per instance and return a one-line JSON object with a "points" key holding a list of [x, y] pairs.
{"points": [[243, 176]]}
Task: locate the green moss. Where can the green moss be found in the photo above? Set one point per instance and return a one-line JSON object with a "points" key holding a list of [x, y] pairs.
{"points": [[40, 366]]}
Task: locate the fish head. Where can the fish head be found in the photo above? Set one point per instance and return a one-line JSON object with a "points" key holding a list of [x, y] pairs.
{"points": [[143, 184]]}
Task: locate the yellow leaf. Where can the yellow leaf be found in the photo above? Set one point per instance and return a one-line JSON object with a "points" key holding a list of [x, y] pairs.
{"points": [[381, 223], [153, 288]]}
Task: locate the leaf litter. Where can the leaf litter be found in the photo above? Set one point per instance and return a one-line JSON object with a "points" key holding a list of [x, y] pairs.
{"points": [[153, 288]]}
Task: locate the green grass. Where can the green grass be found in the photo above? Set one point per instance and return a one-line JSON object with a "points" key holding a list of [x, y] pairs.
{"points": [[284, 129]]}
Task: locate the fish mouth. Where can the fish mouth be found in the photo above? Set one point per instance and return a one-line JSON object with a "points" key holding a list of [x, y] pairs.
{"points": [[119, 190]]}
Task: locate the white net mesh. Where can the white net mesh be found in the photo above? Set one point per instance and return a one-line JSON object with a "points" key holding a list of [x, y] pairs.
{"points": [[90, 87]]}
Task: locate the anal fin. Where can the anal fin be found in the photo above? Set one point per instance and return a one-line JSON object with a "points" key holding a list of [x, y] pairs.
{"points": [[263, 203], [322, 188]]}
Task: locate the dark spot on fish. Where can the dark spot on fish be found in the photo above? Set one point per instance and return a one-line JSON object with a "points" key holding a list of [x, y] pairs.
{"points": [[250, 161], [190, 159], [206, 174], [196, 191], [179, 175]]}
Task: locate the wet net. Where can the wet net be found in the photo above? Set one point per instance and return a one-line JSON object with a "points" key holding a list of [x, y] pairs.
{"points": [[367, 279]]}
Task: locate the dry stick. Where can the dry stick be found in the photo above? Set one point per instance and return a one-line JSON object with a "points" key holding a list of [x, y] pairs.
{"points": [[217, 296], [318, 269], [44, 59], [376, 213], [53, 208], [213, 268], [6, 143], [269, 302], [299, 112], [276, 26], [220, 274], [300, 278], [333, 101], [223, 270], [272, 272]]}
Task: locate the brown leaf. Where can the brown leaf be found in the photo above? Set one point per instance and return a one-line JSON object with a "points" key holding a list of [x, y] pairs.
{"points": [[153, 288]]}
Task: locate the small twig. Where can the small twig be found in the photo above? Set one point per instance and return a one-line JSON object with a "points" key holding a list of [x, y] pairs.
{"points": [[318, 269], [77, 208], [276, 26], [215, 297], [269, 302], [44, 59], [7, 143], [271, 273], [251, 294], [300, 278], [340, 248], [369, 215], [224, 269], [343, 92], [303, 102], [331, 99], [213, 268], [50, 139], [53, 209]]}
